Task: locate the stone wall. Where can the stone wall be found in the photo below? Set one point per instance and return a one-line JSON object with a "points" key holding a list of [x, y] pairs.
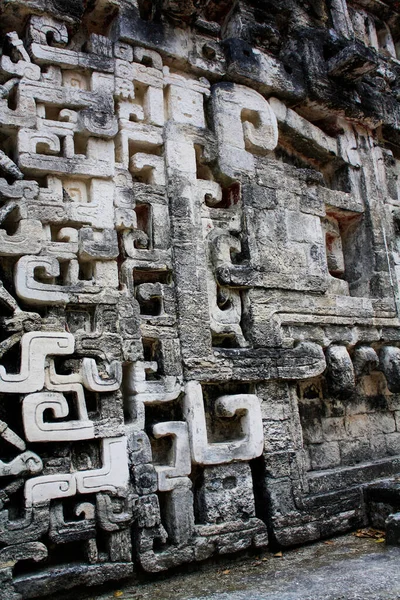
{"points": [[200, 254]]}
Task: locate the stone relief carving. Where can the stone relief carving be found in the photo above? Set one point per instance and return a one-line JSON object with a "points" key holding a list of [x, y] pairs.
{"points": [[199, 283]]}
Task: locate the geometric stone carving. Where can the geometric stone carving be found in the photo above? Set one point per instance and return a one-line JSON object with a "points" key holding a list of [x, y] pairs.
{"points": [[203, 222], [40, 490], [225, 303], [179, 518], [147, 391], [35, 346], [92, 380], [30, 290], [171, 476], [37, 430], [110, 515], [27, 238], [244, 123], [112, 477], [246, 405], [62, 531], [26, 463]]}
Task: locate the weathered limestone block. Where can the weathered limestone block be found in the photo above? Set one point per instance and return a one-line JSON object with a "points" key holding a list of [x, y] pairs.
{"points": [[26, 240], [390, 365], [33, 525], [340, 370], [204, 453], [111, 515], [352, 63], [62, 531], [245, 125], [15, 553], [301, 132], [218, 499], [185, 99], [365, 360], [179, 517], [203, 222], [26, 463], [35, 346]]}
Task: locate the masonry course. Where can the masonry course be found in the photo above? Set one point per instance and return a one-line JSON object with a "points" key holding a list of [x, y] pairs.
{"points": [[200, 264]]}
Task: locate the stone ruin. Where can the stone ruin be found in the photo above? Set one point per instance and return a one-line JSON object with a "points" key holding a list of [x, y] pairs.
{"points": [[200, 265]]}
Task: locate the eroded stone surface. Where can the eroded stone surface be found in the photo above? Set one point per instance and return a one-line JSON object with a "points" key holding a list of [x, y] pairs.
{"points": [[199, 242]]}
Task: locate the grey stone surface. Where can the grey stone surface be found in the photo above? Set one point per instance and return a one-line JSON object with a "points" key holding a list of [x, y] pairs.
{"points": [[347, 568], [199, 281]]}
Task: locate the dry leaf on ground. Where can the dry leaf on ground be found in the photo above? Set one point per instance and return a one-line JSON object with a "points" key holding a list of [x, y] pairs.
{"points": [[370, 532]]}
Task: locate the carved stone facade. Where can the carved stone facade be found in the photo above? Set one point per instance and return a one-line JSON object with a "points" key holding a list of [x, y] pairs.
{"points": [[200, 265]]}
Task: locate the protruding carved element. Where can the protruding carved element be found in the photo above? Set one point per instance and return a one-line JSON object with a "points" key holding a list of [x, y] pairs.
{"points": [[352, 63], [30, 551], [340, 370], [94, 382], [35, 346], [115, 514], [244, 124], [37, 430], [365, 360], [390, 365], [62, 531], [27, 463], [112, 477], [171, 476], [165, 389], [21, 66], [33, 291], [248, 447]]}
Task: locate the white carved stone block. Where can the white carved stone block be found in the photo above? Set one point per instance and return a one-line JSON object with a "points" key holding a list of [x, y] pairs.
{"points": [[35, 347], [150, 391], [40, 490], [113, 476], [244, 124], [95, 383], [26, 240], [171, 476], [248, 447], [38, 430], [29, 289]]}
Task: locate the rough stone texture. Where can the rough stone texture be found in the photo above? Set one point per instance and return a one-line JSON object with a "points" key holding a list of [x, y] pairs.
{"points": [[348, 568], [200, 256]]}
